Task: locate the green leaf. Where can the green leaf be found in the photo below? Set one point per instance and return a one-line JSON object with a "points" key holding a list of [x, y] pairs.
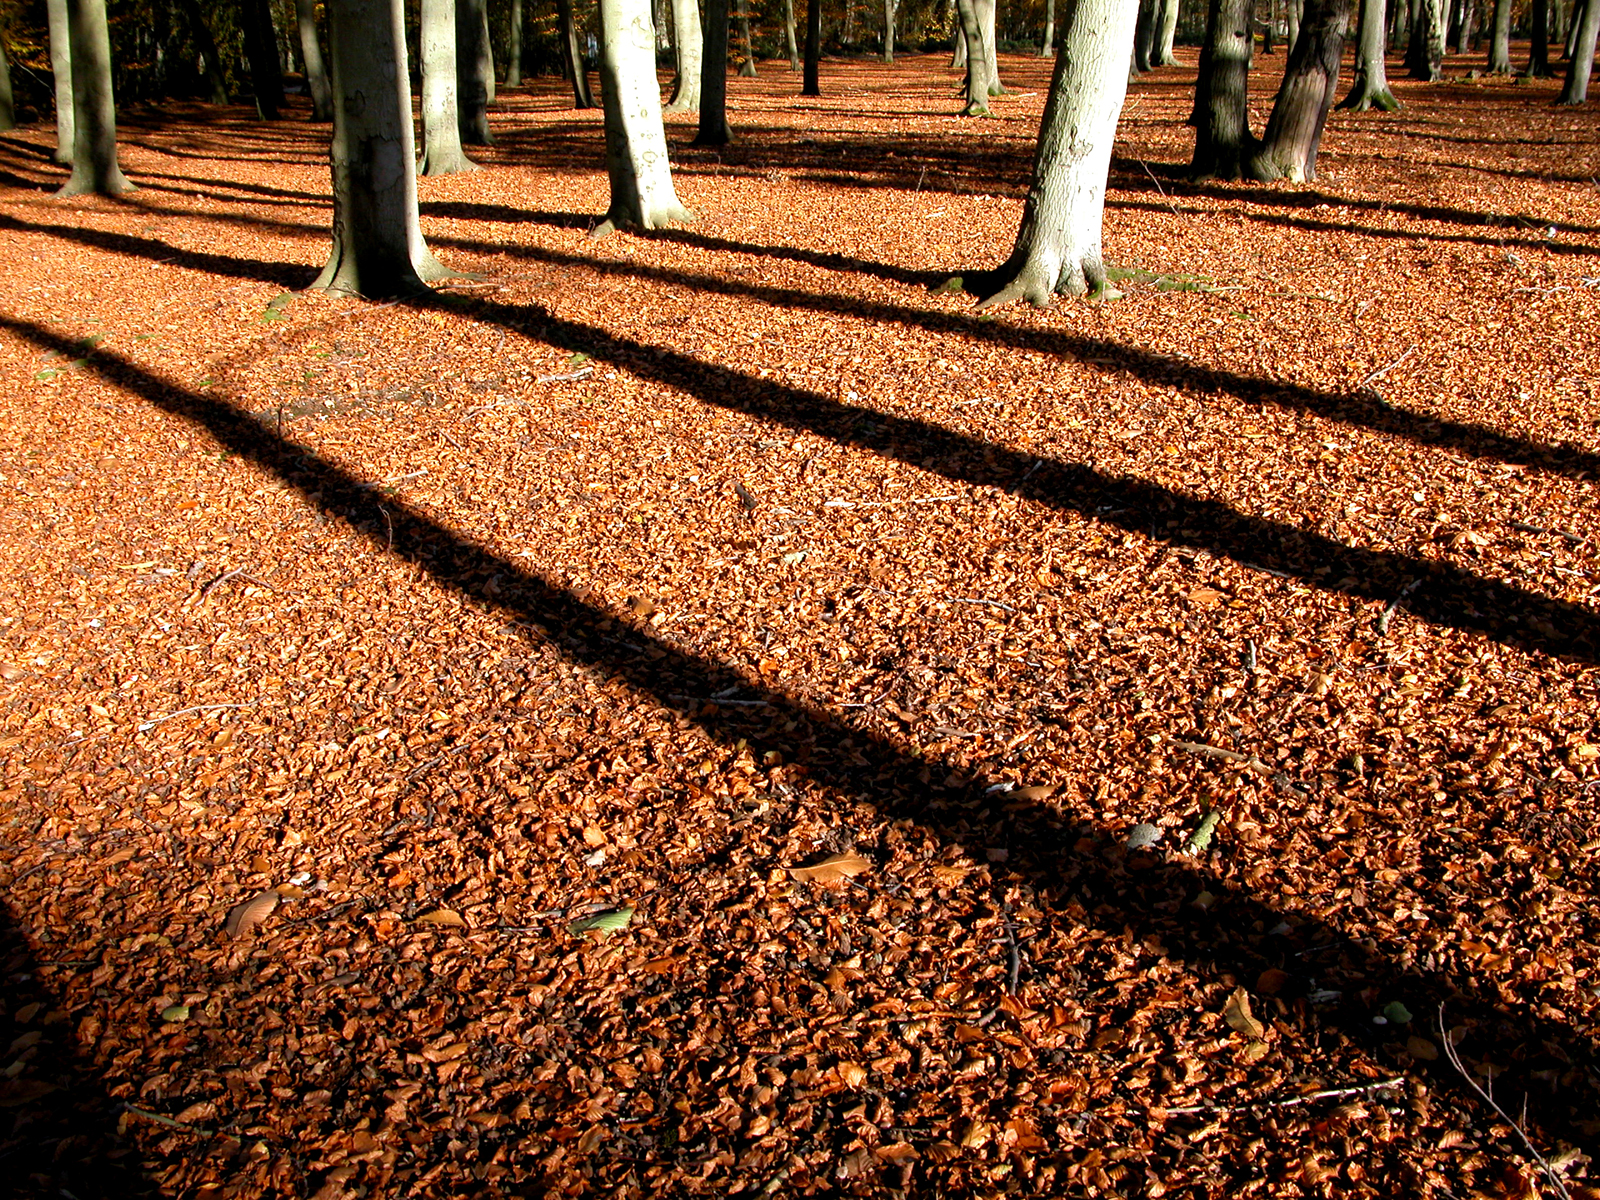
{"points": [[175, 1014], [93, 340], [280, 300], [1396, 1013], [576, 357], [601, 922], [47, 373], [1200, 839]]}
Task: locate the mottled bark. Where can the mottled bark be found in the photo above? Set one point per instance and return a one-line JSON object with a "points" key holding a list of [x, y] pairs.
{"points": [[1500, 38], [976, 90], [1166, 33], [1223, 144], [8, 104], [1371, 86], [688, 44], [714, 129], [316, 71], [61, 68], [642, 196], [790, 43], [1144, 23], [441, 122], [1058, 241], [889, 8], [94, 147], [474, 72], [987, 10], [958, 51], [378, 251], [1576, 88], [1425, 50], [1294, 131], [1047, 44], [572, 55]]}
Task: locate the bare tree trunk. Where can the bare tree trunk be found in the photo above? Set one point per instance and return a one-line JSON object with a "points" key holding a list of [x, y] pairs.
{"points": [[1294, 131], [1144, 21], [1539, 44], [8, 104], [1569, 43], [747, 68], [1223, 144], [1291, 20], [1047, 45], [474, 72], [61, 68], [1058, 241], [642, 196], [572, 53], [958, 52], [1576, 90], [1270, 29], [1166, 35], [1371, 86], [714, 130], [811, 80], [1500, 38], [1425, 53], [94, 150], [978, 72], [441, 122], [514, 46], [889, 7], [788, 35], [261, 49], [688, 46], [987, 10], [305, 13]]}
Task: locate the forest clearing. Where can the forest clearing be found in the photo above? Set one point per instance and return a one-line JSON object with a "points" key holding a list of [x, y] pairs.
{"points": [[710, 712]]}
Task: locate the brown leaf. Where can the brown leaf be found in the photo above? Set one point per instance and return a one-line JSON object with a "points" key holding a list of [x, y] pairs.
{"points": [[640, 606], [247, 914], [1206, 596], [443, 916], [1236, 1012], [1037, 791], [1421, 1048], [833, 868], [852, 1074], [1271, 981]]}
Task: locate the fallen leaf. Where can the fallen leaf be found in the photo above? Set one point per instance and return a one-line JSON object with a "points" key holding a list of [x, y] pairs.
{"points": [[601, 922], [1271, 981], [1206, 596], [1037, 791], [247, 914], [443, 916], [852, 1074], [640, 606], [833, 869], [1236, 1012], [1421, 1048], [175, 1014]]}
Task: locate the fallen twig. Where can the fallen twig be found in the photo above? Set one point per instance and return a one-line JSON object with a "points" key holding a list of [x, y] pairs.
{"points": [[979, 600], [146, 726], [1171, 203], [1574, 538], [1388, 613], [1209, 751], [580, 373], [161, 1119], [1290, 1101], [1382, 371]]}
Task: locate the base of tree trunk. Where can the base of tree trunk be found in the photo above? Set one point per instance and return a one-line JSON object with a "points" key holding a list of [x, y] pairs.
{"points": [[659, 217], [83, 183], [676, 105], [1364, 99], [714, 137], [434, 163], [978, 106], [1040, 278], [342, 275]]}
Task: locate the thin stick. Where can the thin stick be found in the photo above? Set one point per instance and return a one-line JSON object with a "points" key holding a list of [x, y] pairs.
{"points": [[580, 373], [1381, 372], [1172, 204], [1248, 760], [220, 579], [1290, 1101], [146, 726], [980, 600], [1453, 1057], [159, 1119]]}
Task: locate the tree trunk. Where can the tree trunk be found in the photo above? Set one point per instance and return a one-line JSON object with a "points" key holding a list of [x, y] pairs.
{"points": [[8, 105], [1539, 43], [1576, 90], [474, 72], [958, 51], [889, 7], [1371, 86], [1166, 34], [1300, 111], [714, 130], [811, 80], [987, 10], [261, 49], [1500, 38], [1144, 23], [1425, 53], [1569, 43], [788, 35], [305, 12], [61, 68], [976, 90], [1223, 144], [1291, 21], [687, 48], [1269, 30], [642, 195], [572, 54], [1058, 242], [211, 61], [747, 68], [441, 123], [1047, 44], [378, 251], [94, 145], [514, 46]]}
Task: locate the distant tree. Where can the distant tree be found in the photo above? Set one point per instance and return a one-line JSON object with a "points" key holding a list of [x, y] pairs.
{"points": [[1425, 49], [747, 68], [1047, 44], [311, 56], [572, 55], [513, 75], [788, 35], [1539, 43], [642, 195], [261, 51], [1144, 24], [811, 76], [1161, 52], [378, 251], [1500, 38], [979, 70], [474, 72], [216, 78], [713, 130], [441, 123], [1581, 63], [61, 69], [1371, 86], [1223, 144], [1300, 111], [94, 150], [688, 46], [889, 7], [1058, 242], [8, 106]]}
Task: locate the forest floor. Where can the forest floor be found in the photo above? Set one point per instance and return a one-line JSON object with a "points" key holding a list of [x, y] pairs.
{"points": [[708, 714]]}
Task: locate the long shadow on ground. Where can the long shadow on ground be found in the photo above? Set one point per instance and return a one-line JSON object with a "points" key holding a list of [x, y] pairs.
{"points": [[1078, 879]]}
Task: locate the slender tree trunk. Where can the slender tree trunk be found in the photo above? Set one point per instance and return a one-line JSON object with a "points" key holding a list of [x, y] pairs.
{"points": [[688, 47], [1576, 90], [788, 35], [1270, 29], [261, 49], [976, 92], [211, 60], [1569, 43], [1371, 86], [1047, 44], [642, 196], [958, 51], [1202, 83], [474, 72], [61, 69], [987, 13], [1144, 23], [811, 79], [1500, 38], [1291, 20], [1058, 241], [1294, 131], [514, 46], [94, 110], [1425, 54], [572, 55], [889, 7], [8, 104], [1539, 43], [441, 123], [747, 68], [1223, 144], [305, 12], [378, 251], [1166, 35], [714, 130]]}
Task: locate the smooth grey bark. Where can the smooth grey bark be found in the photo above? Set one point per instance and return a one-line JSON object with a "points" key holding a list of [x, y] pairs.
{"points": [[378, 251], [441, 123], [1223, 144], [1580, 65], [889, 8], [474, 72], [1058, 241], [1269, 31], [986, 10], [8, 104], [1500, 38], [1161, 54], [713, 129], [1300, 111], [261, 51], [61, 68], [747, 68], [1047, 44], [514, 46], [1371, 86], [811, 77], [316, 70], [688, 46], [642, 196], [1425, 50], [572, 55], [1574, 18], [1291, 21], [976, 89], [958, 52], [94, 111], [788, 35]]}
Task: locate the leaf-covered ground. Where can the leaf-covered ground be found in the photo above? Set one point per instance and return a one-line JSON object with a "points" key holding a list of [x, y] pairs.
{"points": [[643, 574]]}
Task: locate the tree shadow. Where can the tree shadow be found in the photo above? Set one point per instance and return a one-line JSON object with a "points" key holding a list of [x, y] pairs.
{"points": [[1082, 874]]}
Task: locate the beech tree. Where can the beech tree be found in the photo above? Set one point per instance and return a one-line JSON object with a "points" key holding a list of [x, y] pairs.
{"points": [[642, 196], [1581, 62], [572, 55], [889, 7], [305, 12], [378, 251], [207, 45], [1161, 53], [61, 69], [788, 35], [747, 68], [513, 75], [687, 49], [811, 76], [8, 109], [261, 50], [1223, 144], [94, 111], [441, 122], [982, 80], [1300, 111], [1425, 49], [714, 129], [1371, 86], [1500, 39], [474, 72], [1058, 241]]}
